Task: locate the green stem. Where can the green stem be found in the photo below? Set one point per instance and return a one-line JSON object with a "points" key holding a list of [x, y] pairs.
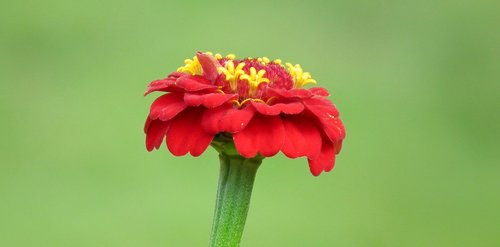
{"points": [[237, 175]]}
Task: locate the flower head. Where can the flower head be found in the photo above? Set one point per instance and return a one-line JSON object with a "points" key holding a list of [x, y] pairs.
{"points": [[259, 105]]}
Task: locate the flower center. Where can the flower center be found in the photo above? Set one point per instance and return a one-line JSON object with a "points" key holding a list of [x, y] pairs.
{"points": [[250, 77]]}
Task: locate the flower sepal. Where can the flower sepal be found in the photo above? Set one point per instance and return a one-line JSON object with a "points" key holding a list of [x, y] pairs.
{"points": [[224, 145]]}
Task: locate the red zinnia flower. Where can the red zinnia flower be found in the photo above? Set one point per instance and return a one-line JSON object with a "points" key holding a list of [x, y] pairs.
{"points": [[258, 104]]}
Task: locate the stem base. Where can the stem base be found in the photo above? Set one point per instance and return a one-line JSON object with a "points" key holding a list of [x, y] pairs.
{"points": [[237, 175]]}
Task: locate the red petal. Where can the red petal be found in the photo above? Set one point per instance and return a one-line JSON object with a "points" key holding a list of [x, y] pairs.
{"points": [[186, 134], [209, 65], [334, 129], [166, 85], [328, 116], [320, 91], [292, 93], [273, 110], [338, 146], [146, 124], [155, 133], [324, 161], [236, 119], [264, 135], [302, 137], [177, 74], [226, 118], [212, 117], [167, 106], [209, 100], [321, 106], [194, 83], [160, 85]]}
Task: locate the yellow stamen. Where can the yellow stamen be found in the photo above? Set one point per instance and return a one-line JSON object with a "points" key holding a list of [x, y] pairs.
{"points": [[230, 56], [270, 99], [232, 74], [236, 102], [277, 61], [191, 66], [254, 79], [240, 104], [300, 78], [244, 101]]}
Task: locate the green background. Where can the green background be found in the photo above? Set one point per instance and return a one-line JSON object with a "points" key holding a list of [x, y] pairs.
{"points": [[417, 84]]}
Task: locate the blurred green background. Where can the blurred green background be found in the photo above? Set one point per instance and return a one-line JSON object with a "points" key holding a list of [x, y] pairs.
{"points": [[417, 84]]}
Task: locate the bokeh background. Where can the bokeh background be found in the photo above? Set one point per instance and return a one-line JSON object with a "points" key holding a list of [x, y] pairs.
{"points": [[417, 84]]}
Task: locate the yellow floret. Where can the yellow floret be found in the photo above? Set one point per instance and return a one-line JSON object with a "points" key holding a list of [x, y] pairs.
{"points": [[300, 78], [191, 66], [263, 60], [254, 79], [232, 74], [218, 56]]}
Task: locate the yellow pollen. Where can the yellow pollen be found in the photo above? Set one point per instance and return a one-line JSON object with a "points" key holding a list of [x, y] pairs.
{"points": [[230, 56], [254, 79], [191, 66], [263, 60], [300, 78], [217, 55], [232, 74], [277, 61]]}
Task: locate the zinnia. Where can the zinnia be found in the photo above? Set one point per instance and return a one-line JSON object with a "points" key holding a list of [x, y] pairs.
{"points": [[259, 104], [247, 109]]}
